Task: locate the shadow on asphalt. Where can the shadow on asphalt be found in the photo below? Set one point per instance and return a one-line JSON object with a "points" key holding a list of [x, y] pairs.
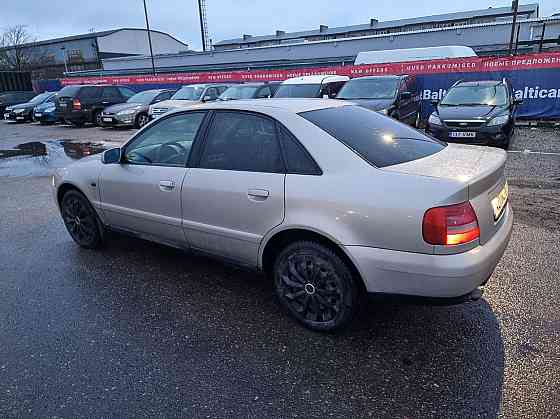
{"points": [[395, 359]]}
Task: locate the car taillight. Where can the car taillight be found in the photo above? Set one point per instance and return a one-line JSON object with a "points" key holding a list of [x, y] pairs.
{"points": [[76, 104], [449, 225]]}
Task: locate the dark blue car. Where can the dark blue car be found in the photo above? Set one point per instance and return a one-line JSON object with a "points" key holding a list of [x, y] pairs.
{"points": [[44, 113]]}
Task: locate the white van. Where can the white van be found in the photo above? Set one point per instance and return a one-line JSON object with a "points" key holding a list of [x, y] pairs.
{"points": [[413, 54], [312, 86]]}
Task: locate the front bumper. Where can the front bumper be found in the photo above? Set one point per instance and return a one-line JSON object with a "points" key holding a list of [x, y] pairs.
{"points": [[12, 116], [484, 135], [44, 117], [434, 276], [115, 120]]}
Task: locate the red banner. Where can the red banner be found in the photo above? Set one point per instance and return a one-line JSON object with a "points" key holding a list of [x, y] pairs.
{"points": [[452, 65]]}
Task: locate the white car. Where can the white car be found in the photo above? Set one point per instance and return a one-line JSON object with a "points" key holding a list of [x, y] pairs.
{"points": [[330, 199], [187, 96], [320, 86]]}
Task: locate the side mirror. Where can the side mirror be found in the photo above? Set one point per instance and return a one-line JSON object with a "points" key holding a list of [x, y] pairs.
{"points": [[209, 98], [111, 156], [434, 102], [406, 95], [517, 101]]}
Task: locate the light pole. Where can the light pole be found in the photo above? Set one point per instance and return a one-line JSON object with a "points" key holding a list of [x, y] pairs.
{"points": [[64, 56], [149, 39], [514, 7]]}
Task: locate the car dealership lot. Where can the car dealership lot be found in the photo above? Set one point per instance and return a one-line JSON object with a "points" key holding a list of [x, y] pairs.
{"points": [[147, 329]]}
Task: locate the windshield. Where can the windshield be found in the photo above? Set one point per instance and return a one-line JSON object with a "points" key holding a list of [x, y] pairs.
{"points": [[476, 95], [239, 92], [382, 88], [380, 141], [143, 97], [188, 93], [40, 98], [69, 91], [298, 90]]}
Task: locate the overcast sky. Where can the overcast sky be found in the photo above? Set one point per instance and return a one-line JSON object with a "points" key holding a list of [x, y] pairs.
{"points": [[226, 19]]}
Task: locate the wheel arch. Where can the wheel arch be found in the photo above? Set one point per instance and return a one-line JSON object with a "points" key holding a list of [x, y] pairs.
{"points": [[279, 239], [65, 187]]}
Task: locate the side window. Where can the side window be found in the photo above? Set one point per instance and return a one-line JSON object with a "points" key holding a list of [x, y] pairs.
{"points": [[264, 92], [111, 93], [126, 92], [162, 96], [298, 160], [89, 92], [222, 89], [242, 141], [167, 143], [211, 93]]}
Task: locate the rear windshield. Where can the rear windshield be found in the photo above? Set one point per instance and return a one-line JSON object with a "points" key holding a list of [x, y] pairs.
{"points": [[69, 91], [298, 90], [239, 92], [188, 93], [379, 140]]}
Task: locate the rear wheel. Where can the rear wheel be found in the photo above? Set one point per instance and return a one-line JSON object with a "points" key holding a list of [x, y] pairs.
{"points": [[316, 286], [97, 118], [81, 220]]}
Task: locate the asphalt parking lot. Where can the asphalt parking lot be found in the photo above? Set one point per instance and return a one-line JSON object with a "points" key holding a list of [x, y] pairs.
{"points": [[142, 330]]}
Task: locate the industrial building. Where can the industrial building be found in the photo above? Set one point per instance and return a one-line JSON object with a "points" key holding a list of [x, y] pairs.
{"points": [[51, 58], [487, 31], [375, 27]]}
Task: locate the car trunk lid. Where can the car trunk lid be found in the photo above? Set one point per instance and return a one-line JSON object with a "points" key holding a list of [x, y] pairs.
{"points": [[479, 169]]}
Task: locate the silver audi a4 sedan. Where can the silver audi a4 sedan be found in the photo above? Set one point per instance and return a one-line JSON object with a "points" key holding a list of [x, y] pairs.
{"points": [[331, 200]]}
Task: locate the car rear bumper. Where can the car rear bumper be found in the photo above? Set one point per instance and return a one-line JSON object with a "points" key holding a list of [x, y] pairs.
{"points": [[435, 276], [485, 135]]}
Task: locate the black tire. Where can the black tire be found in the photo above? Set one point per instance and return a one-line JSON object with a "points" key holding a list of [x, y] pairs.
{"points": [[316, 286], [141, 120], [97, 119], [81, 220]]}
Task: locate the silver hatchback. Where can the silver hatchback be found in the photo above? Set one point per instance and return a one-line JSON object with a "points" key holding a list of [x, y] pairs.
{"points": [[331, 200]]}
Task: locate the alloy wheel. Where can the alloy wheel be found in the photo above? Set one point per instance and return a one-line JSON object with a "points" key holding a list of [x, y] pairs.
{"points": [[80, 220]]}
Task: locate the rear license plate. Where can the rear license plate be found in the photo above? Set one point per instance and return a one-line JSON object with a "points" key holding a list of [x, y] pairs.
{"points": [[38, 115], [62, 105], [19, 118], [462, 134], [499, 202], [107, 119]]}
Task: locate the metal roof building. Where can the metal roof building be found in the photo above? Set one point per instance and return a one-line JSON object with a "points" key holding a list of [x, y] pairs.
{"points": [[485, 38], [50, 58], [375, 27]]}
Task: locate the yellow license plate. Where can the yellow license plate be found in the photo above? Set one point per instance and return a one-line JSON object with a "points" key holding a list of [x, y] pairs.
{"points": [[499, 202]]}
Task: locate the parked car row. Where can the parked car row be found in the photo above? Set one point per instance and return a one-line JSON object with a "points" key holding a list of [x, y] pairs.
{"points": [[478, 112]]}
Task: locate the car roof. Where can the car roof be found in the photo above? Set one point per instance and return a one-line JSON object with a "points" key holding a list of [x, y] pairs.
{"points": [[293, 105], [480, 83], [317, 79], [387, 76], [256, 84]]}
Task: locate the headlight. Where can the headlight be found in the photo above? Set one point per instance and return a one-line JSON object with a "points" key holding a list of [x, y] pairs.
{"points": [[434, 119], [8, 109], [126, 112], [50, 109], [384, 111], [499, 120], [19, 111]]}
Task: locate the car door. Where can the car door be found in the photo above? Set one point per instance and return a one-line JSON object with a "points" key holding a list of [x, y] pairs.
{"points": [[407, 106], [142, 194], [234, 192]]}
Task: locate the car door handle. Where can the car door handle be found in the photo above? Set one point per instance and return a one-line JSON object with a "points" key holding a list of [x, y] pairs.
{"points": [[166, 185], [259, 194]]}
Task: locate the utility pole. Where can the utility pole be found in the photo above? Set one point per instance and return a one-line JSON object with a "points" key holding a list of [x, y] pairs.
{"points": [[149, 39], [203, 25], [514, 7]]}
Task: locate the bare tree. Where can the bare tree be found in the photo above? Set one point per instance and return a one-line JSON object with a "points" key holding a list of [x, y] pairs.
{"points": [[14, 53]]}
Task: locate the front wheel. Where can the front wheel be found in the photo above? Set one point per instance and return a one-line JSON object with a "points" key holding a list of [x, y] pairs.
{"points": [[316, 286], [81, 220], [142, 120], [97, 118]]}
